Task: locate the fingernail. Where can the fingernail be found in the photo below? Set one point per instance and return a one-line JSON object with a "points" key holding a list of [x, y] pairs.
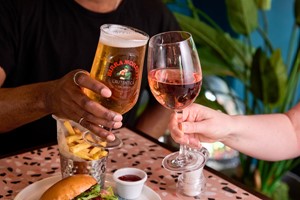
{"points": [[110, 138], [118, 124], [105, 92], [118, 117]]}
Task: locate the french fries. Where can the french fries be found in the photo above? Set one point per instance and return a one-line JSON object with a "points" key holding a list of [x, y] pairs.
{"points": [[69, 127], [81, 148]]}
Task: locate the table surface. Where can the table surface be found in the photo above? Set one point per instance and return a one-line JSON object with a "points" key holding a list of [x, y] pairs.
{"points": [[19, 171]]}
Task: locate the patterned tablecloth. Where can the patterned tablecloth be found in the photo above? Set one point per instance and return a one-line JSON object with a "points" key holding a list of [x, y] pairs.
{"points": [[17, 172]]}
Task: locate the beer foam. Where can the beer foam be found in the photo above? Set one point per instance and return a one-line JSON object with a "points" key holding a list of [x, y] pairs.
{"points": [[119, 36]]}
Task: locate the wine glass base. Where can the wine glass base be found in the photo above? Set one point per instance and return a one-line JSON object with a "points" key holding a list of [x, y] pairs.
{"points": [[97, 141], [173, 163], [114, 144]]}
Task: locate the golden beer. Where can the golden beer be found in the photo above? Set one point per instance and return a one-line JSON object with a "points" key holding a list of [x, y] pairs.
{"points": [[118, 64]]}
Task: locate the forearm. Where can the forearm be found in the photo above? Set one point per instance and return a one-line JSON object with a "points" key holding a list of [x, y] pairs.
{"points": [[22, 105], [270, 137]]}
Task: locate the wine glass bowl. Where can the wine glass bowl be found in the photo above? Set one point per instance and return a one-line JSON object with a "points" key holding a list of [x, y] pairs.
{"points": [[172, 90], [175, 79]]}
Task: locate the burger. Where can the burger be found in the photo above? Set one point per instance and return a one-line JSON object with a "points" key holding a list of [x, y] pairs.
{"points": [[78, 187]]}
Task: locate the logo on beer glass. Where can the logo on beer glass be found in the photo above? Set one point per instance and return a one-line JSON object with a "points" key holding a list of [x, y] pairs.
{"points": [[123, 74]]}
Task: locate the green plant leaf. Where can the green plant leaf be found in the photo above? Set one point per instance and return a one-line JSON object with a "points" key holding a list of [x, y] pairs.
{"points": [[259, 59], [213, 64], [226, 49], [201, 99], [297, 12], [268, 77], [281, 192], [263, 4], [242, 15], [280, 70], [203, 34]]}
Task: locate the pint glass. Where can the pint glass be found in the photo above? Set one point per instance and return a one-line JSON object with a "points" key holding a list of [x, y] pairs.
{"points": [[118, 64]]}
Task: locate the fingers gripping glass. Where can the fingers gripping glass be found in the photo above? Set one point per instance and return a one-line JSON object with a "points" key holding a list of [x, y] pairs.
{"points": [[118, 64], [175, 79], [98, 141]]}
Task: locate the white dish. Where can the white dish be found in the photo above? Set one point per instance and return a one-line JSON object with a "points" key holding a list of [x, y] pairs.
{"points": [[35, 190]]}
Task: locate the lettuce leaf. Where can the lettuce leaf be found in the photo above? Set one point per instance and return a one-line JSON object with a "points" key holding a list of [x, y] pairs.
{"points": [[95, 191], [108, 194]]}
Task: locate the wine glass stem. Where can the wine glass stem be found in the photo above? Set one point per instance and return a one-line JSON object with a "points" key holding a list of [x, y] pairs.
{"points": [[182, 149]]}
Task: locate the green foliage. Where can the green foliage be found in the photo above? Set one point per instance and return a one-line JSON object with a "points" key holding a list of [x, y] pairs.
{"points": [[281, 191], [297, 11], [268, 77], [212, 104], [269, 82], [242, 16]]}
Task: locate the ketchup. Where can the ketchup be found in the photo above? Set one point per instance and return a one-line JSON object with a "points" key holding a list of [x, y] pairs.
{"points": [[130, 178]]}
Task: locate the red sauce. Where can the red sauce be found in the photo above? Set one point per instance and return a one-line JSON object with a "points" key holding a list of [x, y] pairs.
{"points": [[130, 178]]}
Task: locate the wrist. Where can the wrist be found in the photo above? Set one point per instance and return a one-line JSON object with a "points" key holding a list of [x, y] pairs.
{"points": [[47, 94], [230, 129]]}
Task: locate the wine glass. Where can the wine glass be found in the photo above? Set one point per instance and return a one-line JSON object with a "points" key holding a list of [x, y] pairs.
{"points": [[118, 64], [175, 79]]}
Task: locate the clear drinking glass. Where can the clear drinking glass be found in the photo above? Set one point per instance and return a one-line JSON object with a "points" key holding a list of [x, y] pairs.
{"points": [[118, 63], [75, 156], [175, 79]]}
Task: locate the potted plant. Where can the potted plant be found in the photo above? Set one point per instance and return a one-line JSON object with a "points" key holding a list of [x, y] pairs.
{"points": [[269, 83]]}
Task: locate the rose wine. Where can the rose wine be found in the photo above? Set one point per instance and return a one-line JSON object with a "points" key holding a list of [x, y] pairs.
{"points": [[173, 88]]}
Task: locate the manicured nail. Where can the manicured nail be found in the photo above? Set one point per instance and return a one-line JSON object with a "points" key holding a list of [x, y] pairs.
{"points": [[110, 137], [118, 118], [105, 92]]}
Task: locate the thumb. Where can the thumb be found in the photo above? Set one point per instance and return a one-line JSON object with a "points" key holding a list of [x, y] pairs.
{"points": [[194, 127]]}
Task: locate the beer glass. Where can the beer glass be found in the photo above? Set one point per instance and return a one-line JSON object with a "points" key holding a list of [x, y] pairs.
{"points": [[118, 64]]}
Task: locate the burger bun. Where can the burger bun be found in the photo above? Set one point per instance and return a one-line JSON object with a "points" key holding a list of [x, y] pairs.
{"points": [[68, 188]]}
